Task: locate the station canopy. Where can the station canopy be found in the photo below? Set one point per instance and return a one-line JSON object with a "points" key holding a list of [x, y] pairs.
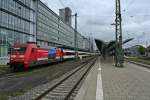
{"points": [[108, 47]]}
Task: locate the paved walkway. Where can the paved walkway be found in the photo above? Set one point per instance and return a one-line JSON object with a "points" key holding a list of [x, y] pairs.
{"points": [[129, 83], [92, 87]]}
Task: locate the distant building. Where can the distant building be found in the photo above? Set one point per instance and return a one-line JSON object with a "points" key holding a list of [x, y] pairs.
{"points": [[24, 20], [148, 51], [17, 24], [133, 51], [65, 15]]}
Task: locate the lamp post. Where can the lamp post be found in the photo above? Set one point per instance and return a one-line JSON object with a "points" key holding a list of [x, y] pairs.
{"points": [[118, 36], [119, 50], [75, 37], [116, 44]]}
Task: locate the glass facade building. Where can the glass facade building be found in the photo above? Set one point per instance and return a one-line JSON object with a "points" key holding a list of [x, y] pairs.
{"points": [[17, 23], [52, 31], [21, 20]]}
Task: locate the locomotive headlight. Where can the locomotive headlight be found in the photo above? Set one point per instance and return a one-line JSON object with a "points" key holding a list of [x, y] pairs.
{"points": [[21, 56], [13, 56]]}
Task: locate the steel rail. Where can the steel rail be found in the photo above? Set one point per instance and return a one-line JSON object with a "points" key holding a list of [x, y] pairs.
{"points": [[66, 78]]}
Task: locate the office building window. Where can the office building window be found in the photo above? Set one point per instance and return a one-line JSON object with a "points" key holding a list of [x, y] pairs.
{"points": [[3, 43], [27, 2], [12, 6], [15, 23], [4, 4], [23, 12], [0, 18], [28, 14], [0, 3], [4, 18], [11, 21]]}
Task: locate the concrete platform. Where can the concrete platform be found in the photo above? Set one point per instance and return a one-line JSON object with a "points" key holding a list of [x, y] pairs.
{"points": [[106, 82], [92, 87]]}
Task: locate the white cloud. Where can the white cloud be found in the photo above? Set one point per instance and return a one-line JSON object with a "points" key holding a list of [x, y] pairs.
{"points": [[95, 16]]}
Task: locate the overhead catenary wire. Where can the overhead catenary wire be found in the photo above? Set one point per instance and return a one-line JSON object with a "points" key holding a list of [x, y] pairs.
{"points": [[128, 6], [53, 6], [72, 6], [61, 3], [124, 15]]}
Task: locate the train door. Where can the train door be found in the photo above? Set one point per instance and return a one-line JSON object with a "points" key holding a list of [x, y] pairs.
{"points": [[33, 55]]}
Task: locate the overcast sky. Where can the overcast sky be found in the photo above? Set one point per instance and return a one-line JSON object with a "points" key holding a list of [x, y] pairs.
{"points": [[95, 17]]}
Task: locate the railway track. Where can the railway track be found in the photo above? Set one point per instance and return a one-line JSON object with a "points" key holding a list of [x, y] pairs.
{"points": [[67, 88], [10, 74], [63, 88]]}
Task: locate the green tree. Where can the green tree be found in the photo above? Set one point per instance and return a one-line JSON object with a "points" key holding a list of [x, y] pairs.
{"points": [[141, 50]]}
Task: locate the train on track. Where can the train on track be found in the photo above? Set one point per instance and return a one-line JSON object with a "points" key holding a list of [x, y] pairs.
{"points": [[23, 56]]}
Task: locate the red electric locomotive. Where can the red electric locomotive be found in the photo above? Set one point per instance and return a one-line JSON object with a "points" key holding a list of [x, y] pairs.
{"points": [[24, 56], [27, 55]]}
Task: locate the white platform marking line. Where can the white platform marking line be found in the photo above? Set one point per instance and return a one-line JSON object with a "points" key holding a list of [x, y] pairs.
{"points": [[99, 89]]}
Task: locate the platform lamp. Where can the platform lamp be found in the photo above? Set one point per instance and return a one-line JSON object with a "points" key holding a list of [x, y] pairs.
{"points": [[75, 36]]}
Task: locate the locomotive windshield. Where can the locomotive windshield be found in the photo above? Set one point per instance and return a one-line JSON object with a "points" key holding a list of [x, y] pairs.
{"points": [[19, 49]]}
